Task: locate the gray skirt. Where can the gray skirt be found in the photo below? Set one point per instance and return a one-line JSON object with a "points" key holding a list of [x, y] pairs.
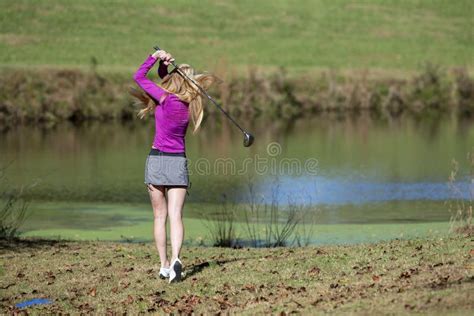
{"points": [[168, 169]]}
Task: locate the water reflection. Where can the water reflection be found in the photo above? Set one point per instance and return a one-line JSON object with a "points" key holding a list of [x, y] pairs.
{"points": [[322, 190], [360, 160]]}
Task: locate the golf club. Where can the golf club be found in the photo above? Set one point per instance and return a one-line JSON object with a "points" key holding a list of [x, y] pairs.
{"points": [[248, 138]]}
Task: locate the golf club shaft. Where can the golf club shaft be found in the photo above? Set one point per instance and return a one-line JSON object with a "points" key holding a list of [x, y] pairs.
{"points": [[205, 93]]}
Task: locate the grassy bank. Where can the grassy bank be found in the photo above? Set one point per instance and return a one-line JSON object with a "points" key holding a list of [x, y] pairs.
{"points": [[431, 276], [393, 36], [52, 96]]}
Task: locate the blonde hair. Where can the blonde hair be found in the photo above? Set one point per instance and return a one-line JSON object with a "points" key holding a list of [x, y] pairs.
{"points": [[184, 89]]}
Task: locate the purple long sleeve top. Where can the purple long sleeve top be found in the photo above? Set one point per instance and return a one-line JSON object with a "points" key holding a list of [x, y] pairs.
{"points": [[171, 113]]}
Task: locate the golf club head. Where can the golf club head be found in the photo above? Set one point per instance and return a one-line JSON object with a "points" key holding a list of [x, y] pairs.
{"points": [[248, 139]]}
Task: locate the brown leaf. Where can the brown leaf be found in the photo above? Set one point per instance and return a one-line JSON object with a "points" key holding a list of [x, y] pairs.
{"points": [[405, 275], [50, 277], [86, 307], [193, 300], [93, 291], [223, 303], [249, 287], [376, 278], [410, 307], [314, 271], [316, 302]]}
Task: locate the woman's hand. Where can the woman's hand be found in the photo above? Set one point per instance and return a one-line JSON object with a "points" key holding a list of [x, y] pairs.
{"points": [[164, 56]]}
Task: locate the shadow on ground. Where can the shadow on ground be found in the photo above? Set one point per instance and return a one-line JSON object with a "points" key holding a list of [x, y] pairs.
{"points": [[27, 244]]}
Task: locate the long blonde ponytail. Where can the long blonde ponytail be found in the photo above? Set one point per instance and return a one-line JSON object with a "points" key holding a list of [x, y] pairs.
{"points": [[183, 89]]}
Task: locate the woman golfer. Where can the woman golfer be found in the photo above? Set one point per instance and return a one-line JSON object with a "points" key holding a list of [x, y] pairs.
{"points": [[174, 102]]}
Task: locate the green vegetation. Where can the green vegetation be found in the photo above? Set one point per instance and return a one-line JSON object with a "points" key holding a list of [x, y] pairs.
{"points": [[13, 208], [428, 276], [51, 96], [134, 222], [395, 36], [245, 42]]}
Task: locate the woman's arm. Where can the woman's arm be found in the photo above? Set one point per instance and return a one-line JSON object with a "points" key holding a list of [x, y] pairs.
{"points": [[155, 91]]}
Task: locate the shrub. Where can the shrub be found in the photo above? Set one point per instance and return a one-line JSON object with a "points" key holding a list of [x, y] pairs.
{"points": [[221, 225], [430, 91], [13, 212], [268, 225], [464, 92]]}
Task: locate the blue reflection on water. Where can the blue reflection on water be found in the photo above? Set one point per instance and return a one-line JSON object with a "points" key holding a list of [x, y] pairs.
{"points": [[323, 190]]}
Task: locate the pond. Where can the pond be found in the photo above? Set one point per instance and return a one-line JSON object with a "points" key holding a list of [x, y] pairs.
{"points": [[352, 170]]}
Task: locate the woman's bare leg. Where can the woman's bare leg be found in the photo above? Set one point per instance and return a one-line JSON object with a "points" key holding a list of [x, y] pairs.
{"points": [[160, 211], [176, 196]]}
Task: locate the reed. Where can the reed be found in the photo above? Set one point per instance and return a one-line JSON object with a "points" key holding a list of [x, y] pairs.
{"points": [[13, 208], [221, 225], [461, 210]]}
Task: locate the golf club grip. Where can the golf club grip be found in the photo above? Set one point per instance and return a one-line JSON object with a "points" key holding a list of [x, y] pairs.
{"points": [[156, 47]]}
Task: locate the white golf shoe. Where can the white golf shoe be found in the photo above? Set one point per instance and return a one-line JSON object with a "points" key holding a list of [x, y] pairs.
{"points": [[164, 273], [176, 268]]}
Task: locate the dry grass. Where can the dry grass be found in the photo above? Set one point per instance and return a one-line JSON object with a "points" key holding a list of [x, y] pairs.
{"points": [[422, 276]]}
